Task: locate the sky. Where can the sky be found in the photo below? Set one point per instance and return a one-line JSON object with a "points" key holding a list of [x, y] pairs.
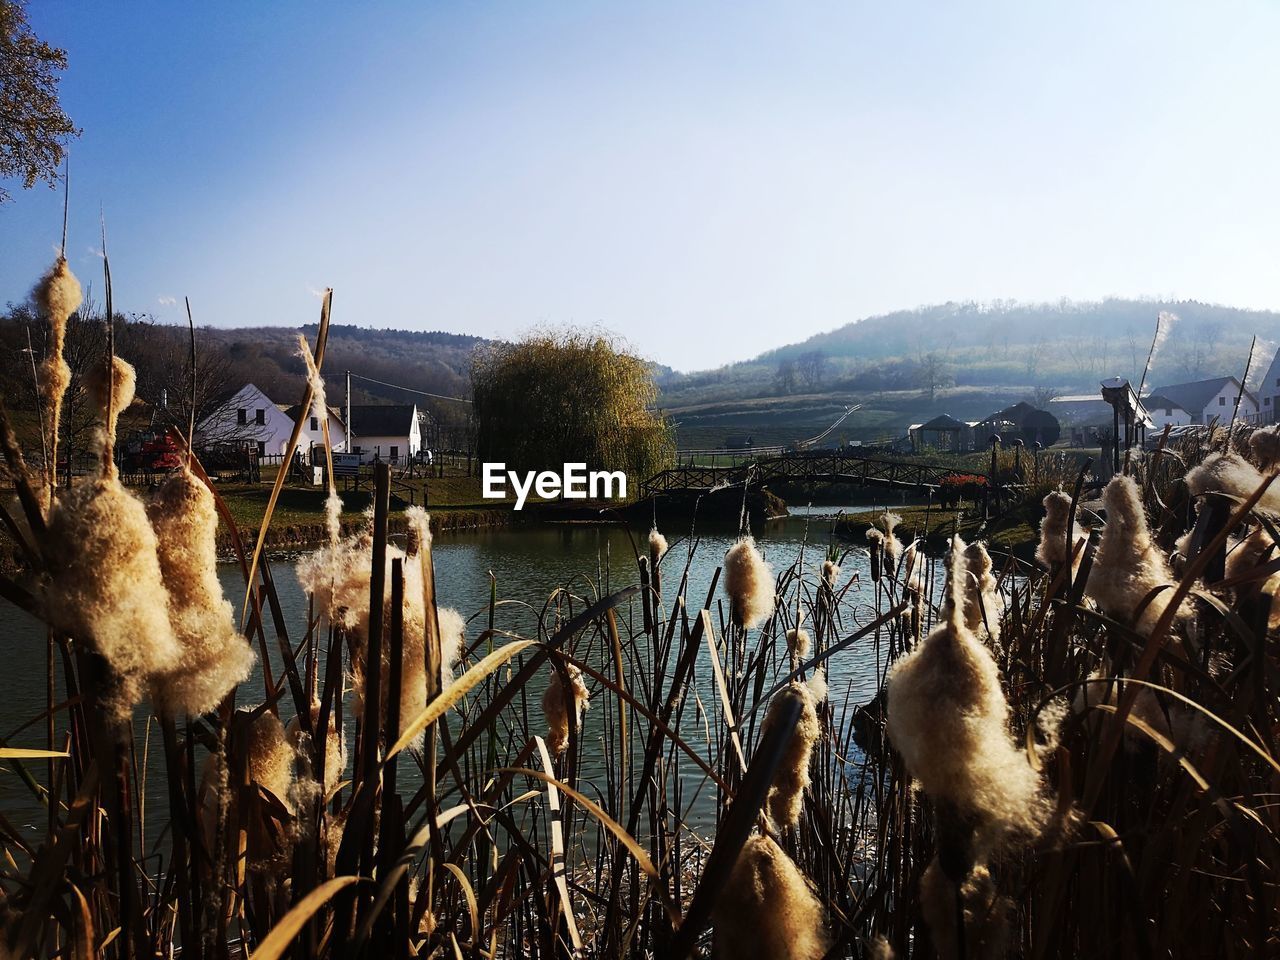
{"points": [[706, 180]]}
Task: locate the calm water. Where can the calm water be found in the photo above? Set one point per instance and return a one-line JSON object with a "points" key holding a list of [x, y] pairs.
{"points": [[528, 565]]}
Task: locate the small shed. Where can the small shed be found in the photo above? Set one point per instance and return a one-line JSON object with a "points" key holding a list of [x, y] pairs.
{"points": [[943, 432]]}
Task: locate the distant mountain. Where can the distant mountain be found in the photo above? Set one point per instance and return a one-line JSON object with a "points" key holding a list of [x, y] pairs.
{"points": [[960, 358], [1066, 345]]}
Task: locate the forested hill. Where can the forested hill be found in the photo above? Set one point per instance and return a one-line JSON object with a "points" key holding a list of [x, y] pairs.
{"points": [[1060, 346]]}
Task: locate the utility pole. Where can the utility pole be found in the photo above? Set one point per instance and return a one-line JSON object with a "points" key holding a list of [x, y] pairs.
{"points": [[350, 448]]}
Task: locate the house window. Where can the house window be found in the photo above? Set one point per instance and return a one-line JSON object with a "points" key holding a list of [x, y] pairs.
{"points": [[262, 448], [260, 417], [1266, 401], [242, 416], [1222, 401], [395, 452], [315, 423], [1168, 411]]}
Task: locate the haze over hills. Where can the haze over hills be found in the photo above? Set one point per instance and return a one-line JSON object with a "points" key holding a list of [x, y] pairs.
{"points": [[966, 359]]}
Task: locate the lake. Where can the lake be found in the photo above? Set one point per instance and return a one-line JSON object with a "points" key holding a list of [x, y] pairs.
{"points": [[528, 564]]}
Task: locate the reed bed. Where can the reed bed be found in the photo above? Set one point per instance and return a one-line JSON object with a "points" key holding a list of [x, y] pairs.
{"points": [[1071, 758]]}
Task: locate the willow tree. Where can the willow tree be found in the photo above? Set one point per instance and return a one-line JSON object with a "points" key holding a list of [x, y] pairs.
{"points": [[573, 397]]}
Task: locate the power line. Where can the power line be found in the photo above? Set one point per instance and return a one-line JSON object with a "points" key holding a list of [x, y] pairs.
{"points": [[396, 386]]}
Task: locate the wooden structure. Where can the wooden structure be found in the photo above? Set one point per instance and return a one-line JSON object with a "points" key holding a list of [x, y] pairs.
{"points": [[834, 466]]}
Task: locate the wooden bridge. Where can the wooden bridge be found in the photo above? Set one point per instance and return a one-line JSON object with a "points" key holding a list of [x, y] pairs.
{"points": [[803, 466]]}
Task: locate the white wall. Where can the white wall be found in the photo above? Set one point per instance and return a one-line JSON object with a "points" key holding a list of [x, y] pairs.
{"points": [[1223, 403], [1167, 416], [272, 434], [337, 434], [406, 446]]}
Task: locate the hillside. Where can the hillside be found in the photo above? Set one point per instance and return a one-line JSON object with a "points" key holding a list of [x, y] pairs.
{"points": [[965, 359]]}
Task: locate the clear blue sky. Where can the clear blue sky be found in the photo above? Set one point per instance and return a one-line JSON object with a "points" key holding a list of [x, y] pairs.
{"points": [[707, 179]]}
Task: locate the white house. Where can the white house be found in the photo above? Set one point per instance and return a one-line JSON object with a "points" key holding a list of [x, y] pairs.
{"points": [[1269, 392], [1205, 400], [1166, 412], [251, 417], [390, 433]]}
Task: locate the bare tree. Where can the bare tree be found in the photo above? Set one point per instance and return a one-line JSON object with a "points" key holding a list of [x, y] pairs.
{"points": [[785, 377], [1034, 354], [812, 367], [934, 373]]}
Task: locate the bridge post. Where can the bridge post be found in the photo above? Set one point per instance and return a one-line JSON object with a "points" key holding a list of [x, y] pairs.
{"points": [[993, 491]]}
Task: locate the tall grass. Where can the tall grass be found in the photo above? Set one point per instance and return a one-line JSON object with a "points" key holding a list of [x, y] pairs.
{"points": [[1158, 777]]}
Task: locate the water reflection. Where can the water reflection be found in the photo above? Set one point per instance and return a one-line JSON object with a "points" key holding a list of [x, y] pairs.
{"points": [[527, 564]]}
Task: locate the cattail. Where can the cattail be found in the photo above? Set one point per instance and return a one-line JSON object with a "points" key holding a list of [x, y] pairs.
{"points": [[556, 704], [1250, 552], [768, 909], [335, 755], [214, 655], [830, 573], [453, 637], [892, 545], [320, 410], [1264, 445], [1052, 551], [1128, 565], [418, 531], [878, 949], [335, 825], [337, 578], [657, 547], [986, 913], [950, 683], [116, 392], [58, 296], [1233, 475], [875, 546], [798, 643], [749, 583], [983, 605], [106, 585], [786, 797], [272, 757]]}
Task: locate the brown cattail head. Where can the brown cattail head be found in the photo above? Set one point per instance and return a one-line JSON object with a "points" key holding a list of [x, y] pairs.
{"points": [[418, 530], [335, 756], [1129, 565], [1233, 475], [748, 581], [798, 643], [986, 913], [337, 577], [557, 702], [1052, 551], [58, 296], [215, 655], [950, 683], [768, 909], [785, 801], [107, 588], [657, 547], [875, 546], [1264, 446], [892, 545], [830, 573], [453, 637], [983, 605], [116, 392], [272, 758]]}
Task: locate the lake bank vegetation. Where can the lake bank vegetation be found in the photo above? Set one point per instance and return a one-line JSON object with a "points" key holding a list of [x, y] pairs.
{"points": [[1075, 756]]}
